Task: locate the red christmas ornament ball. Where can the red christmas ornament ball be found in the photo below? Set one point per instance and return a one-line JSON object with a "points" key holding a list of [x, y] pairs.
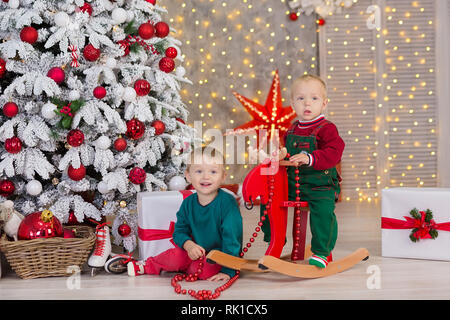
{"points": [[40, 225], [146, 31], [57, 74], [120, 144], [76, 174], [86, 8], [99, 92], [166, 64], [161, 29], [321, 22], [13, 145], [91, 53], [137, 175], [7, 188], [2, 67], [29, 34], [10, 109], [171, 52], [75, 137], [124, 230], [293, 16], [142, 87], [159, 126], [135, 129]]}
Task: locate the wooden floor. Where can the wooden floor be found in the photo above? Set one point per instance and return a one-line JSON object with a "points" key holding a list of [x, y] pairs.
{"points": [[359, 226]]}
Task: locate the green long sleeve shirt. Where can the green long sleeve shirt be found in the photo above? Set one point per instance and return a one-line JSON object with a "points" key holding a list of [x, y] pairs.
{"points": [[216, 226]]}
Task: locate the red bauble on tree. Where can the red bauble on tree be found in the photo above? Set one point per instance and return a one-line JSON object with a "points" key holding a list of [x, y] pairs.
{"points": [[13, 145], [86, 8], [76, 174], [171, 52], [159, 126], [135, 129], [293, 16], [40, 225], [321, 22], [120, 144], [166, 64], [146, 31], [99, 92], [29, 34], [7, 188], [91, 53], [137, 175], [57, 74], [75, 137], [162, 29], [10, 109], [2, 68], [124, 229], [142, 87]]}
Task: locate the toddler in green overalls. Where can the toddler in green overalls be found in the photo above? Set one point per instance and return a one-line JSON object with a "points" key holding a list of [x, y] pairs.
{"points": [[315, 145]]}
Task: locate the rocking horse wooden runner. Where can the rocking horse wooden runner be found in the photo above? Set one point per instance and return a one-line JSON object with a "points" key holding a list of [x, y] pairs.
{"points": [[268, 181]]}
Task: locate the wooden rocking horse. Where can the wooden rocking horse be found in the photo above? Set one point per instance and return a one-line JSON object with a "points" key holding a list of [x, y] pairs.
{"points": [[268, 182]]}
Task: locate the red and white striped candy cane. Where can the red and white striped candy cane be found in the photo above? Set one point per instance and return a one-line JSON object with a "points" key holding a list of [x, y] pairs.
{"points": [[74, 55]]}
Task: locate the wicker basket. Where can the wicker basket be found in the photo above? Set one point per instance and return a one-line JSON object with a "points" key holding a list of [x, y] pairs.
{"points": [[49, 257]]}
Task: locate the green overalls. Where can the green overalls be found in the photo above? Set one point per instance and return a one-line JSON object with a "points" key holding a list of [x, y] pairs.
{"points": [[320, 188]]}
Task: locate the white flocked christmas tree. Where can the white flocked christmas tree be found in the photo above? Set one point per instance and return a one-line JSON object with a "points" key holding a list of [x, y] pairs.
{"points": [[91, 107]]}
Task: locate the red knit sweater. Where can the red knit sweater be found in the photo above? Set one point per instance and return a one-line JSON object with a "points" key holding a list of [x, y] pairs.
{"points": [[330, 145]]}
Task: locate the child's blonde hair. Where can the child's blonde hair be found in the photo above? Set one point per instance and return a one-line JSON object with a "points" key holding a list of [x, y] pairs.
{"points": [[208, 151], [310, 77]]}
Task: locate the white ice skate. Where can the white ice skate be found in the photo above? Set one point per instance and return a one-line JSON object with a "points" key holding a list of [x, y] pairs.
{"points": [[102, 249]]}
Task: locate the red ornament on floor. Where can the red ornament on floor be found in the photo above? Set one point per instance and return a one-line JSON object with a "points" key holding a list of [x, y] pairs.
{"points": [[10, 109], [120, 144], [57, 74], [99, 92], [75, 137], [146, 31], [159, 126], [76, 174], [162, 29], [135, 129], [91, 53], [137, 175], [7, 188], [40, 225], [13, 145], [29, 34], [166, 64], [142, 87]]}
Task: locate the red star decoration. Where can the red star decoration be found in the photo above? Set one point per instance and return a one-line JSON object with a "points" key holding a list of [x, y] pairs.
{"points": [[270, 116]]}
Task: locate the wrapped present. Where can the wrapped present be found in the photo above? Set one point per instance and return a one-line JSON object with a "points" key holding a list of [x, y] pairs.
{"points": [[415, 223]]}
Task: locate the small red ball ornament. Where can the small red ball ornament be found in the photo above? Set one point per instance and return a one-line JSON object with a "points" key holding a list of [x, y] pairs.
{"points": [[99, 92], [153, 2], [10, 109], [159, 126], [142, 87], [293, 16], [137, 175], [321, 22], [13, 145], [29, 34], [86, 8], [166, 64], [40, 225], [7, 188], [75, 137], [146, 31], [124, 230], [57, 74], [162, 29], [91, 53], [120, 144], [171, 52], [135, 129], [76, 174], [2, 68]]}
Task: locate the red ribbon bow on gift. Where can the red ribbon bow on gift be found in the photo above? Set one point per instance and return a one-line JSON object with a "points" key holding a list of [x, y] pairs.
{"points": [[423, 227], [157, 234]]}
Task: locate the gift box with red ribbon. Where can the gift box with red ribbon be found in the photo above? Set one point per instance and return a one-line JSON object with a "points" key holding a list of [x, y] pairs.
{"points": [[415, 223]]}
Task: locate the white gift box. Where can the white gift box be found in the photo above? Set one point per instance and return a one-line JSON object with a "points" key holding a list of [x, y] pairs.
{"points": [[157, 214], [397, 204]]}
